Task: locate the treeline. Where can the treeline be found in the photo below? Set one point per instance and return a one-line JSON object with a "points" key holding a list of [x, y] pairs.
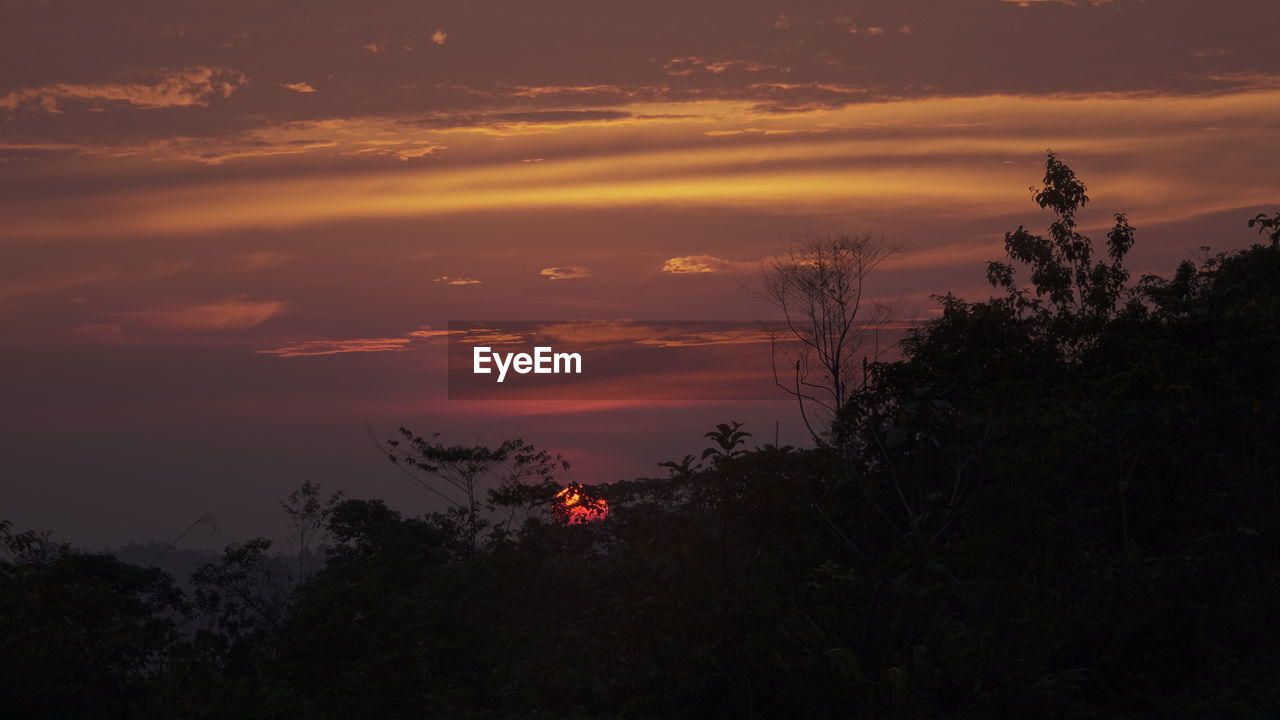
{"points": [[1062, 502]]}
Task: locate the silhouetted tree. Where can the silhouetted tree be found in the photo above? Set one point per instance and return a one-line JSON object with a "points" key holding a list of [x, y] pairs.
{"points": [[827, 322], [81, 635], [308, 515], [463, 470]]}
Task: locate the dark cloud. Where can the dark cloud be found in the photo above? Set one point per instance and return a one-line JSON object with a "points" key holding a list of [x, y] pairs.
{"points": [[542, 56]]}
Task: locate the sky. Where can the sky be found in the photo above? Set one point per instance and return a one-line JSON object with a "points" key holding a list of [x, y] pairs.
{"points": [[234, 232]]}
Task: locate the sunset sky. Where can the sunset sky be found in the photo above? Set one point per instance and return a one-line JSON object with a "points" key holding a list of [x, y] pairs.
{"points": [[232, 231]]}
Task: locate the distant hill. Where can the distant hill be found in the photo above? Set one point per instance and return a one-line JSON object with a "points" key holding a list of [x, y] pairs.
{"points": [[178, 562]]}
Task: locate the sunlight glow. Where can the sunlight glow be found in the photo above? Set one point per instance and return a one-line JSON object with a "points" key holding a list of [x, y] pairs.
{"points": [[578, 509]]}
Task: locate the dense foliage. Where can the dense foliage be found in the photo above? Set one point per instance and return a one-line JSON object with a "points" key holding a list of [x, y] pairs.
{"points": [[1061, 502]]}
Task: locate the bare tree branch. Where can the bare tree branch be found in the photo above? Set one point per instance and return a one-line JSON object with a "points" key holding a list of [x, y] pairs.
{"points": [[818, 287]]}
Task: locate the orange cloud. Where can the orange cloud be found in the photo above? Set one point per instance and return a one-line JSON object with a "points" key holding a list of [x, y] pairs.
{"points": [[183, 88], [695, 264], [488, 336], [307, 348], [942, 256], [457, 280], [428, 334], [574, 91], [894, 155], [298, 87], [595, 332], [401, 151], [686, 66], [566, 272], [740, 336], [439, 36], [312, 348]]}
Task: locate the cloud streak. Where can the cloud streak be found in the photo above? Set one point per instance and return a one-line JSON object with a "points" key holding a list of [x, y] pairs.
{"points": [[196, 86], [895, 155], [313, 348], [233, 313]]}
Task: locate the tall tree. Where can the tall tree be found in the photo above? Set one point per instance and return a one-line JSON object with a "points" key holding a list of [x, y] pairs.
{"points": [[827, 321]]}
